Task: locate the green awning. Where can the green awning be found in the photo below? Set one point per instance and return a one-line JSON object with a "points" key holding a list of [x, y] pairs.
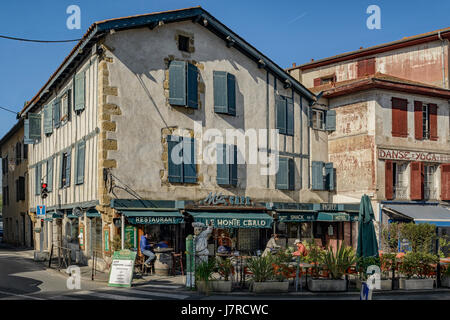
{"points": [[48, 219], [72, 216], [57, 215], [93, 213], [250, 220], [296, 216], [153, 217], [333, 216]]}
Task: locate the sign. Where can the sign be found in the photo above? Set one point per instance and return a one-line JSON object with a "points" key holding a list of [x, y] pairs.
{"points": [[236, 222], [106, 248], [131, 236], [296, 217], [40, 211], [122, 266], [366, 292], [413, 156], [81, 236], [155, 220], [220, 199]]}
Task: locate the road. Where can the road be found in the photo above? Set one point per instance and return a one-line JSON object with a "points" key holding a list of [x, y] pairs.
{"points": [[22, 278]]}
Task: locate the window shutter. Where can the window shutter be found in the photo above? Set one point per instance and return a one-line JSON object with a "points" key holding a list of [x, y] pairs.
{"points": [[17, 189], [416, 181], [433, 121], [189, 165], [21, 188], [330, 121], [175, 168], [68, 167], [399, 118], [317, 175], [445, 182], [234, 166], [290, 116], [370, 66], [80, 162], [223, 165], [37, 177], [50, 175], [34, 126], [317, 82], [329, 176], [25, 150], [291, 169], [281, 114], [231, 91], [389, 180], [61, 167], [365, 67], [310, 117], [56, 112], [48, 119], [192, 86], [418, 120], [282, 177], [220, 92], [69, 104], [79, 92], [177, 83]]}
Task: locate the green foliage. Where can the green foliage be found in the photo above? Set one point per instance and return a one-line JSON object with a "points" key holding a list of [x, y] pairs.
{"points": [[418, 264], [316, 256], [445, 272], [364, 262], [387, 262], [444, 247], [224, 267], [117, 243], [390, 235], [420, 236], [204, 270], [282, 257], [262, 268], [338, 262]]}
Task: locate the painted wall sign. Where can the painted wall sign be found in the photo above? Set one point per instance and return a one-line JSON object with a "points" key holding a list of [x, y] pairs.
{"points": [[106, 241], [235, 223], [413, 156], [155, 220], [121, 273], [221, 199]]}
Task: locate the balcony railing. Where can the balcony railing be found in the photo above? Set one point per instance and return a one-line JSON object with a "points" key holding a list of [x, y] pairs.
{"points": [[400, 192]]}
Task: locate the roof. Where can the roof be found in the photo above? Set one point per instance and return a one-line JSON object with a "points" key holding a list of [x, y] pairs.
{"points": [[380, 81], [196, 14], [435, 214], [389, 46], [12, 131]]}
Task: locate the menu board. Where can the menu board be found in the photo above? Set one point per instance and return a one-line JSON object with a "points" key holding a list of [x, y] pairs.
{"points": [[121, 274]]}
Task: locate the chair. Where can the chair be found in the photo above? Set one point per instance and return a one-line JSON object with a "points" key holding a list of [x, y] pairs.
{"points": [[177, 263]]}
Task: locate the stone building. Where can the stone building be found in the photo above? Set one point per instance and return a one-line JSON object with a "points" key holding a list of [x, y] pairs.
{"points": [[392, 138], [17, 225], [125, 130]]}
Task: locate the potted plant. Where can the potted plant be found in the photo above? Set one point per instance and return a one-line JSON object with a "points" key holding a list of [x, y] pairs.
{"points": [[225, 268], [445, 277], [417, 269], [314, 257], [337, 263], [203, 274], [263, 275], [385, 262]]}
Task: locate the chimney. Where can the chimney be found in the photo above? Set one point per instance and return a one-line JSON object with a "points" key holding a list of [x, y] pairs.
{"points": [[312, 60], [293, 65]]}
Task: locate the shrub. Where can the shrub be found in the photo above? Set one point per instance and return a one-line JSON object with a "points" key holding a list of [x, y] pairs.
{"points": [[387, 262], [338, 262], [418, 264], [420, 236], [365, 262], [204, 270], [224, 267], [390, 235], [315, 256], [261, 267]]}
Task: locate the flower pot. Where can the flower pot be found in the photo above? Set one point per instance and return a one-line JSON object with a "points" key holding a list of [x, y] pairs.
{"points": [[203, 286], [328, 285], [385, 285], [270, 286], [445, 282], [416, 284], [220, 286]]}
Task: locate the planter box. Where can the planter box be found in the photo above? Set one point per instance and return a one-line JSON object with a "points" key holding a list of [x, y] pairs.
{"points": [[416, 284], [327, 285], [445, 282], [220, 286], [203, 287], [385, 285], [270, 287]]}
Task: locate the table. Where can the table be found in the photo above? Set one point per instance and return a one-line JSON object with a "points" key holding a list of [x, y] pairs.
{"points": [[163, 261]]}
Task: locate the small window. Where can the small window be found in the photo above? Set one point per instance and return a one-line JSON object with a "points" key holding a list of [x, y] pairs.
{"points": [[429, 182], [65, 169], [318, 119], [400, 180], [183, 43], [426, 122], [64, 108], [326, 80]]}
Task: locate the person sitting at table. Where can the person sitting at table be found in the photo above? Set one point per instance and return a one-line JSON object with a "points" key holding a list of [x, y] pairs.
{"points": [[161, 244], [272, 245], [146, 249]]}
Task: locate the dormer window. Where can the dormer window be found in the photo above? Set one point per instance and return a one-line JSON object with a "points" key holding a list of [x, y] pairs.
{"points": [[183, 43]]}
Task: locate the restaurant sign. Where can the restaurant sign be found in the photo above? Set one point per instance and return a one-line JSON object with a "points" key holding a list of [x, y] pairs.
{"points": [[296, 217], [413, 156], [236, 223], [221, 199], [155, 220]]}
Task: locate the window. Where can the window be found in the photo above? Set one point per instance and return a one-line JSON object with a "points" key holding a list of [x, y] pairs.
{"points": [[429, 182], [80, 161], [327, 80], [323, 176], [318, 119], [183, 84], [226, 164], [65, 169], [65, 108], [285, 178], [285, 115], [6, 200], [32, 128], [425, 122], [37, 179], [324, 80], [224, 92], [400, 180], [5, 165], [48, 119], [20, 189], [18, 153], [181, 158], [25, 150], [49, 175], [80, 92], [183, 43]]}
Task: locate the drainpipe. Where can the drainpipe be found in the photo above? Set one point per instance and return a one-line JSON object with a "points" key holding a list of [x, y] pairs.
{"points": [[122, 231], [381, 225], [442, 58]]}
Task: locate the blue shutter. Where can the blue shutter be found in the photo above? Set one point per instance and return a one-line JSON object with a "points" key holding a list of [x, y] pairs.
{"points": [[48, 119], [80, 161], [317, 175], [282, 176], [177, 83], [26, 133], [231, 92], [223, 167], [61, 162], [330, 178], [56, 112], [69, 104], [291, 168], [79, 95], [68, 167], [175, 164], [234, 166], [290, 116], [330, 122], [50, 175], [34, 126], [310, 117], [37, 176], [189, 165], [280, 104], [220, 92], [192, 86]]}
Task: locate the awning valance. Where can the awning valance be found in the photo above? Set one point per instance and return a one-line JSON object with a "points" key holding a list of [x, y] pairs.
{"points": [[333, 216], [251, 220], [93, 213], [290, 216], [153, 217], [433, 214]]}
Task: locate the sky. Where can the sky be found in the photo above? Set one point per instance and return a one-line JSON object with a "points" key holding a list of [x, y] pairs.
{"points": [[287, 31]]}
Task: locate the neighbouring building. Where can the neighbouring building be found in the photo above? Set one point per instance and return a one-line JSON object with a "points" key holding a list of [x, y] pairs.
{"points": [[122, 131], [392, 138], [17, 224]]}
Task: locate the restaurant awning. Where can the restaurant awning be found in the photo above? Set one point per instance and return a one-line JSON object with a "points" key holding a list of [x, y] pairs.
{"points": [[251, 220], [333, 216], [433, 214], [93, 213], [296, 216], [153, 217]]}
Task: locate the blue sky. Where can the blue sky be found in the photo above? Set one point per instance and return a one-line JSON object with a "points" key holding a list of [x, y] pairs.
{"points": [[285, 30]]}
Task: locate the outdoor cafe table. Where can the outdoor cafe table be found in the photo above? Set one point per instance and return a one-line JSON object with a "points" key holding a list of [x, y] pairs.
{"points": [[301, 266], [163, 261]]}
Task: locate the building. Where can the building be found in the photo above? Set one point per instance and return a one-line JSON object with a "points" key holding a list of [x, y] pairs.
{"points": [[17, 224], [127, 131], [391, 141]]}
